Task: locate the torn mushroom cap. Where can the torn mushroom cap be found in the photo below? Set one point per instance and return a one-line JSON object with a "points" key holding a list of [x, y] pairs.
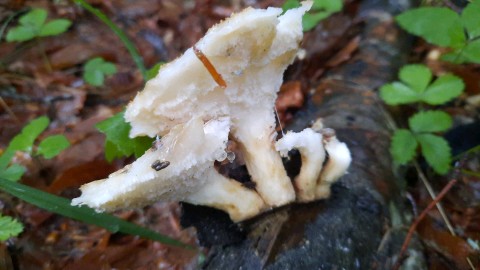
{"points": [[190, 149], [251, 50]]}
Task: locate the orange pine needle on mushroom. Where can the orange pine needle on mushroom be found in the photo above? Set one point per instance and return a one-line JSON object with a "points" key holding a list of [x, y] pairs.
{"points": [[211, 69]]}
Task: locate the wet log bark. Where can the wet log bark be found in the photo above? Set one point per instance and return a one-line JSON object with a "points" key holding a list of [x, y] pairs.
{"points": [[359, 227]]}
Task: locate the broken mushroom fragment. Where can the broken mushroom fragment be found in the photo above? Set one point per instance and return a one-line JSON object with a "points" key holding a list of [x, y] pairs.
{"points": [[190, 149]]}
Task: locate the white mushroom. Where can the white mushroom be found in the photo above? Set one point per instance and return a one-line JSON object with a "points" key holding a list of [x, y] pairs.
{"points": [[225, 85], [250, 51], [190, 151]]}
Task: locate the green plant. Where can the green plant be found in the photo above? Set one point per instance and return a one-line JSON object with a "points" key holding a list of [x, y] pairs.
{"points": [[95, 70], [415, 86], [24, 142], [321, 10], [445, 28], [33, 24], [120, 34], [153, 71], [9, 227], [118, 143], [87, 215]]}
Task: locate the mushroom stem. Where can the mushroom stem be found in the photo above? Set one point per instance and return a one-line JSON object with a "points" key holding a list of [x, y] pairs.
{"points": [[339, 160], [266, 168], [309, 144], [228, 195]]}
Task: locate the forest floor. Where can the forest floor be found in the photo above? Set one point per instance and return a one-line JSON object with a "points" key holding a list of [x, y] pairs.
{"points": [[44, 77]]}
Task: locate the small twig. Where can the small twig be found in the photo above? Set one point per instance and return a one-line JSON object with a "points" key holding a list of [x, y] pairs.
{"points": [[470, 263], [414, 225], [432, 194], [7, 109], [278, 119], [44, 55], [413, 203], [471, 150]]}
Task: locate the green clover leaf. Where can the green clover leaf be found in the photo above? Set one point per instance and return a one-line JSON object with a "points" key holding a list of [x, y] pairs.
{"points": [[52, 146], [414, 87], [436, 151], [9, 227], [403, 146], [32, 25], [437, 25], [321, 9], [430, 121], [96, 69]]}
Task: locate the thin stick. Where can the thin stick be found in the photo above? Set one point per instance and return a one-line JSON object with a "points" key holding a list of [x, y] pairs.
{"points": [[7, 109], [432, 194], [279, 122], [414, 225], [211, 69]]}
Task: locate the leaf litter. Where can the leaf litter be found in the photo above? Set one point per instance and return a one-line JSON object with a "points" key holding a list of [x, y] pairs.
{"points": [[161, 31]]}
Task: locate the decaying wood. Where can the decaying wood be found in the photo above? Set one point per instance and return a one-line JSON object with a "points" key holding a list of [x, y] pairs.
{"points": [[360, 225]]}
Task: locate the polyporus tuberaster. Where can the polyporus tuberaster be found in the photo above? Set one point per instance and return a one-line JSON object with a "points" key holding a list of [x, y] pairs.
{"points": [[195, 109]]}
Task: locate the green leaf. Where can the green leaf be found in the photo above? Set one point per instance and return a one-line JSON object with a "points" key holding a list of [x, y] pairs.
{"points": [[416, 76], [330, 6], [34, 18], [443, 89], [436, 151], [430, 121], [471, 52], [310, 20], [54, 27], [96, 69], [289, 4], [52, 146], [94, 77], [111, 151], [120, 34], [320, 10], [20, 33], [403, 146], [153, 71], [24, 140], [456, 56], [9, 227], [108, 68], [471, 19], [437, 25], [13, 173], [62, 206], [398, 93], [118, 142]]}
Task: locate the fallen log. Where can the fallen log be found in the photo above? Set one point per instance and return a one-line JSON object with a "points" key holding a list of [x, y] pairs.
{"points": [[360, 225]]}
